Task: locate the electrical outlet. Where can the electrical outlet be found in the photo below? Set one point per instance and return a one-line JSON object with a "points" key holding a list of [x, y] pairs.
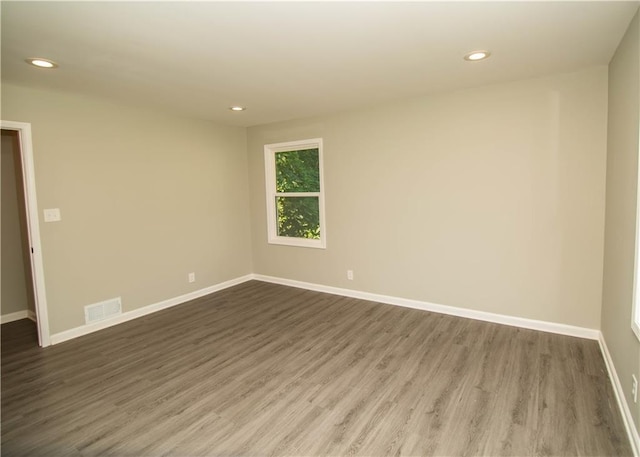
{"points": [[52, 215], [192, 277], [634, 388], [350, 275]]}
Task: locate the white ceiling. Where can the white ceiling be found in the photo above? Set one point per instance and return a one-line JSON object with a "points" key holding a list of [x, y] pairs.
{"points": [[291, 60]]}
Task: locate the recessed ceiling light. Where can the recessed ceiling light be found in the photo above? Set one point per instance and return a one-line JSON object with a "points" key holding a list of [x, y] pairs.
{"points": [[42, 63], [237, 108], [474, 56]]}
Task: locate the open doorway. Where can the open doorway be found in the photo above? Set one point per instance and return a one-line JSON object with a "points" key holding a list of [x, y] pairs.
{"points": [[17, 301], [22, 291]]}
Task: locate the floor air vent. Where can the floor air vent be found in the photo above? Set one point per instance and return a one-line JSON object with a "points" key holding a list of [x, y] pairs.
{"points": [[102, 310]]}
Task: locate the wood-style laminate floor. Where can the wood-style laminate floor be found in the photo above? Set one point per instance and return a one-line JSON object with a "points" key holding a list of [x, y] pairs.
{"points": [[263, 369]]}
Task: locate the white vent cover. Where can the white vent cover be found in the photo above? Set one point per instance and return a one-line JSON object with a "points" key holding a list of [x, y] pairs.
{"points": [[102, 310]]}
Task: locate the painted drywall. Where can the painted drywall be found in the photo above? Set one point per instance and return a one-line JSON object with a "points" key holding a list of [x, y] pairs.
{"points": [[145, 199], [16, 294], [490, 199], [620, 221]]}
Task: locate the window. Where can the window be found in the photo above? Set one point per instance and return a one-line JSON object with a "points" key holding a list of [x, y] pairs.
{"points": [[636, 318], [295, 194], [635, 312]]}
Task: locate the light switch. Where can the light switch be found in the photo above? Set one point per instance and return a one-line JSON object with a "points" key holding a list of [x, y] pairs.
{"points": [[52, 215]]}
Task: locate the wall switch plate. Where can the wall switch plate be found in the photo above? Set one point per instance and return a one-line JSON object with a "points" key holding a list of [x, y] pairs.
{"points": [[52, 215], [634, 388], [350, 275], [192, 277]]}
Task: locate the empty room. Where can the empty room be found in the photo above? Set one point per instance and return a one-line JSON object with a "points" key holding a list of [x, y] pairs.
{"points": [[320, 228]]}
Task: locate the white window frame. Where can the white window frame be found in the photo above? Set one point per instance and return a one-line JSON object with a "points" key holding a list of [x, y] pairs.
{"points": [[270, 151], [635, 310], [635, 313]]}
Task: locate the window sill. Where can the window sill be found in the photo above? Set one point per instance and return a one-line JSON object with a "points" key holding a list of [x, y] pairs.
{"points": [[298, 242]]}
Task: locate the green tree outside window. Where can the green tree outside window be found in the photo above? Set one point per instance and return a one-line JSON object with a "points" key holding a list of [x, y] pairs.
{"points": [[296, 172]]}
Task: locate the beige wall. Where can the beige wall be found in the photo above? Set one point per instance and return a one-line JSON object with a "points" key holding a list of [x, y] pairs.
{"points": [[620, 228], [145, 199], [16, 294], [490, 199]]}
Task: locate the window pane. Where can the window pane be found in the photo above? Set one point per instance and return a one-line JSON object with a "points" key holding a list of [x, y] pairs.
{"points": [[298, 171], [298, 217]]}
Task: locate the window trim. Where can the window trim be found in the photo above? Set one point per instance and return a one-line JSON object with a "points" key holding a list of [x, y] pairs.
{"points": [[270, 151], [635, 308]]}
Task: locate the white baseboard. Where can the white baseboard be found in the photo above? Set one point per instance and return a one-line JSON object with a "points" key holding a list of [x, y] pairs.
{"points": [[129, 315], [544, 326], [32, 315], [5, 318], [632, 431]]}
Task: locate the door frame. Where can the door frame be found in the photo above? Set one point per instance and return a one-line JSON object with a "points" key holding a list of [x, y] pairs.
{"points": [[33, 226]]}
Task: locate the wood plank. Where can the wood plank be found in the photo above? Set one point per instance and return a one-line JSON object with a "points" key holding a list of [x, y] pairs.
{"points": [[266, 369]]}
